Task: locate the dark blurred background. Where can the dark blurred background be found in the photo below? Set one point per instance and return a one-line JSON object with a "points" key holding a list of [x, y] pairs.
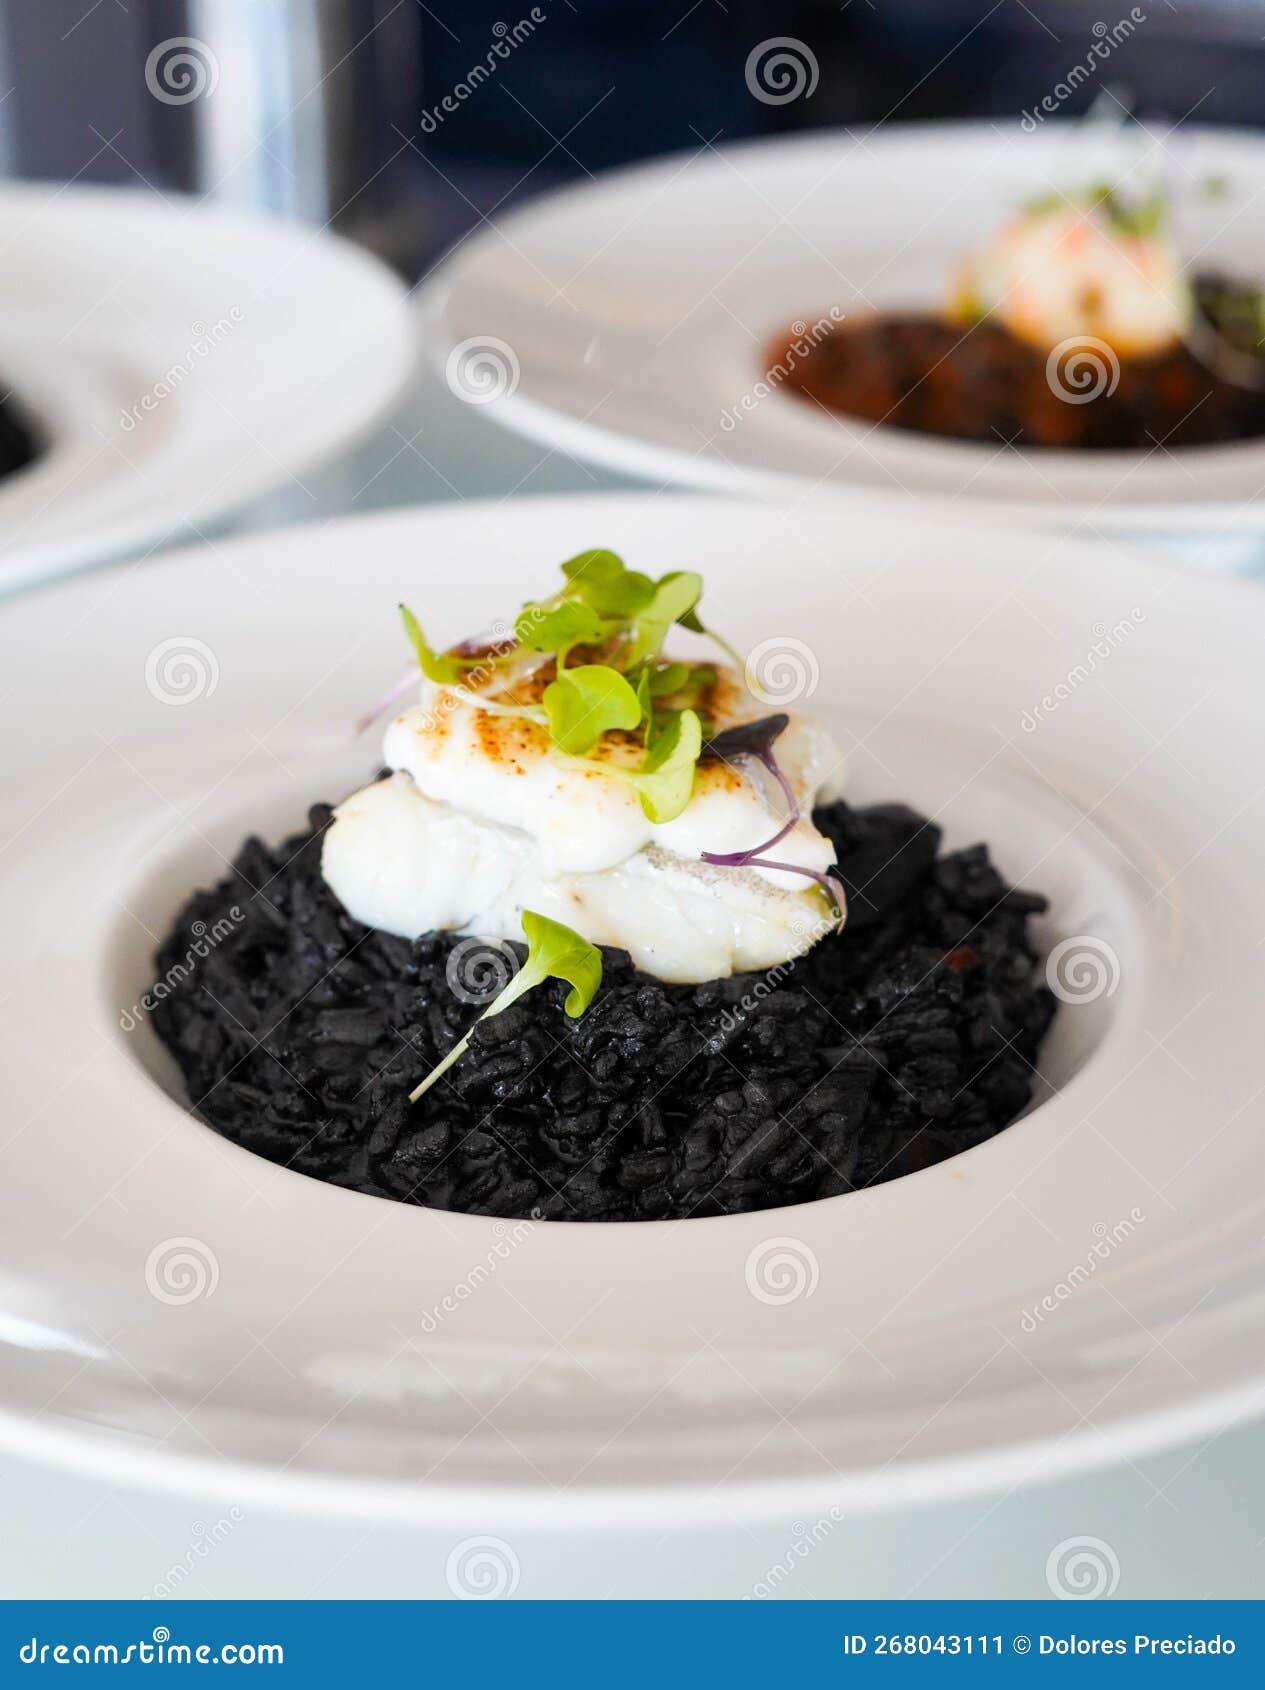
{"points": [[334, 110]]}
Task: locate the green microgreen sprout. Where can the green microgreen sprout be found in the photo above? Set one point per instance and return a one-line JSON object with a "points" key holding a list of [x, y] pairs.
{"points": [[621, 619], [1237, 313], [670, 678], [1127, 217], [696, 627], [586, 702], [673, 599], [968, 306], [664, 783], [556, 628], [439, 666], [1139, 218], [599, 579], [554, 952]]}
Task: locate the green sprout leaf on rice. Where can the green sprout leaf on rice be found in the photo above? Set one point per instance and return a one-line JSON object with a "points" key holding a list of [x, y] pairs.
{"points": [[554, 952]]}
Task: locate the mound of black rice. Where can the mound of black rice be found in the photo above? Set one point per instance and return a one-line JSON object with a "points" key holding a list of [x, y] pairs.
{"points": [[907, 1038]]}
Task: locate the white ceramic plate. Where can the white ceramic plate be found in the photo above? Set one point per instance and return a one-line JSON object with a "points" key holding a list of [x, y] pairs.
{"points": [[181, 361], [628, 320], [1084, 1286]]}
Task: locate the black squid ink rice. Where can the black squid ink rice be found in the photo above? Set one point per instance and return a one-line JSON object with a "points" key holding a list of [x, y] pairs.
{"points": [[908, 1037]]}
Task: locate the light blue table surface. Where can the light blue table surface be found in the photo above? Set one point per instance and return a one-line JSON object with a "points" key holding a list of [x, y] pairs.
{"points": [[1189, 1522]]}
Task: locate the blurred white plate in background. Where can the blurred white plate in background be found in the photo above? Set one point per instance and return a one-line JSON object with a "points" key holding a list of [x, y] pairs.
{"points": [[628, 320], [180, 360], [1083, 1287]]}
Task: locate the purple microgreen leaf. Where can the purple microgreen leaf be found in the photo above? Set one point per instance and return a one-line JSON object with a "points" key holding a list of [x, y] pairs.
{"points": [[747, 739], [756, 739]]}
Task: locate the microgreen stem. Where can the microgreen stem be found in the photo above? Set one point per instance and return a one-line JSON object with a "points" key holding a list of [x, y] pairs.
{"points": [[453, 1056], [829, 883]]}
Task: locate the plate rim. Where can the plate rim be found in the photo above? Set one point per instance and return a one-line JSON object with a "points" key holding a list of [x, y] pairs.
{"points": [[100, 1453]]}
